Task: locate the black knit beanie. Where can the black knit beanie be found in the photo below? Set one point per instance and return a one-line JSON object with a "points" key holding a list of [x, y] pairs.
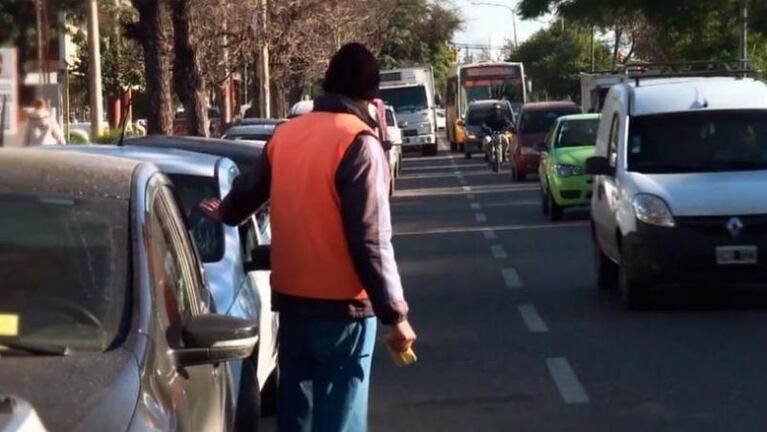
{"points": [[353, 72]]}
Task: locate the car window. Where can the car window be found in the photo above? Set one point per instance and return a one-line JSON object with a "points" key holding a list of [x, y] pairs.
{"points": [[171, 263], [207, 233], [479, 114], [264, 226], [535, 122], [577, 133], [612, 144], [698, 142], [64, 267]]}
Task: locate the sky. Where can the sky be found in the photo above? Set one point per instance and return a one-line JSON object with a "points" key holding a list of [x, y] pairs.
{"points": [[483, 23]]}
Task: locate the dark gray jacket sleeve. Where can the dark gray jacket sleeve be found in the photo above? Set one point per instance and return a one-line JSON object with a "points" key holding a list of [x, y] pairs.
{"points": [[363, 179], [249, 192]]}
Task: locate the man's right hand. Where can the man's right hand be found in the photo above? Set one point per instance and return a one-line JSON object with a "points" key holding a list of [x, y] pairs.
{"points": [[401, 337], [211, 208]]}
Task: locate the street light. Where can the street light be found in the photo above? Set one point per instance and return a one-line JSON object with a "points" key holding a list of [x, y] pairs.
{"points": [[513, 16]]}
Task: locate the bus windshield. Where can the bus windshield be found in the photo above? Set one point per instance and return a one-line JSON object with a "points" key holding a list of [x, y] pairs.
{"points": [[405, 99], [493, 82]]}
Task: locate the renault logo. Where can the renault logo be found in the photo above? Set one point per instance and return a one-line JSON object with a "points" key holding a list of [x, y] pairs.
{"points": [[734, 226]]}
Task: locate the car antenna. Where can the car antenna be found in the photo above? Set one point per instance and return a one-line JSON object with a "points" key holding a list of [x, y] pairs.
{"points": [[124, 122]]}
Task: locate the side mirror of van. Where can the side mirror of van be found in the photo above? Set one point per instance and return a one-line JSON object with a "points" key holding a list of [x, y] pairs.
{"points": [[598, 165], [387, 145], [402, 124]]}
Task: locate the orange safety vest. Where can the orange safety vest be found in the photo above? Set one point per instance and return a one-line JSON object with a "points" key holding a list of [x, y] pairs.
{"points": [[309, 254]]}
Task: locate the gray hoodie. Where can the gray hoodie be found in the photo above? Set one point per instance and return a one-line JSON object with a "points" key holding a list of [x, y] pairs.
{"points": [[42, 129]]}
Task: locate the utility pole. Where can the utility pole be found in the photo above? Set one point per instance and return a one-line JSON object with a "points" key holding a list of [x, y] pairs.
{"points": [[263, 75], [94, 71], [744, 35]]}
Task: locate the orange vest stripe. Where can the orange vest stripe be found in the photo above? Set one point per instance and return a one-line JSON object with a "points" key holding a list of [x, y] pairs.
{"points": [[309, 256]]}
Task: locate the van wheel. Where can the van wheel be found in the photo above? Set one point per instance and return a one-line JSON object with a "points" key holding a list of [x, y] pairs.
{"points": [[634, 294], [606, 269], [248, 399]]}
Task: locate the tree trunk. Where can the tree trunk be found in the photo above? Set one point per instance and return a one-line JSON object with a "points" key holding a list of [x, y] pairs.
{"points": [[153, 32], [617, 46], [187, 72]]}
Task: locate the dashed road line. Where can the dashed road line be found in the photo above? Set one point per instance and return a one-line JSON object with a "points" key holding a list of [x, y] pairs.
{"points": [[532, 319], [498, 252], [467, 188], [475, 206], [511, 279], [480, 217], [489, 234], [567, 382]]}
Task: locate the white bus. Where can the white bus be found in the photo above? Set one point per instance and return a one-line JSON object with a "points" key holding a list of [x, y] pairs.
{"points": [[481, 81], [411, 92]]}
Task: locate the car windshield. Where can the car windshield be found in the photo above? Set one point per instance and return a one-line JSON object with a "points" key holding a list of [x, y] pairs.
{"points": [[536, 122], [577, 133], [698, 142], [207, 233], [479, 114], [405, 99], [64, 270]]}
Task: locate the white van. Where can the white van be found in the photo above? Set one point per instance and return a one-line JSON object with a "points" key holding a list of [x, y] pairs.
{"points": [[680, 188]]}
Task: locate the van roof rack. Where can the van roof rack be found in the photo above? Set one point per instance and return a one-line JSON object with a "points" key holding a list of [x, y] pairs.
{"points": [[638, 71]]}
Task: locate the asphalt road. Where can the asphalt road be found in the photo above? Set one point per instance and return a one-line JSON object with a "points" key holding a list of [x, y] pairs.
{"points": [[514, 335]]}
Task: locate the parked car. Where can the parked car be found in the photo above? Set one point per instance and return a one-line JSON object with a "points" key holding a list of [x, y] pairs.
{"points": [[113, 327], [564, 182], [250, 132], [476, 115], [534, 122], [240, 287], [394, 133], [243, 153], [679, 192], [181, 123]]}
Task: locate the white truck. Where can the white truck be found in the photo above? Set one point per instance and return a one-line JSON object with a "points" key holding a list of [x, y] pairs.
{"points": [[411, 92], [594, 88]]}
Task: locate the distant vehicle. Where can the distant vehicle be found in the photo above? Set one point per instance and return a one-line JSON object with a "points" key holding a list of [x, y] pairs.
{"points": [[120, 310], [679, 187], [250, 132], [594, 88], [181, 125], [240, 286], [244, 153], [411, 92], [441, 120], [533, 123], [301, 108], [564, 182], [476, 116], [481, 81]]}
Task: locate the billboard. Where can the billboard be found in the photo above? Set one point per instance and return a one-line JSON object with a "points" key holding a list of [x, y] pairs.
{"points": [[8, 91]]}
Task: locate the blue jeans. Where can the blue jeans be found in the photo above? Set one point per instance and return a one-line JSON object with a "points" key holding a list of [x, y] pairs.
{"points": [[324, 374]]}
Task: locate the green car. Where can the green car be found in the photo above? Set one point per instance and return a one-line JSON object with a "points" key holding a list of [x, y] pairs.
{"points": [[564, 182]]}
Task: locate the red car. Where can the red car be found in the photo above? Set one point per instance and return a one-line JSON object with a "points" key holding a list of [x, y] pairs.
{"points": [[533, 123]]}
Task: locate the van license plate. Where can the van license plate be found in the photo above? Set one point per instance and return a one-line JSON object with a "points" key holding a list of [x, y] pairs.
{"points": [[737, 255]]}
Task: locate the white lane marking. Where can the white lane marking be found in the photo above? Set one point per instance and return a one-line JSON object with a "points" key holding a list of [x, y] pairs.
{"points": [[532, 319], [474, 228], [480, 217], [475, 206], [567, 382], [489, 234], [467, 188], [512, 279], [439, 167], [498, 252]]}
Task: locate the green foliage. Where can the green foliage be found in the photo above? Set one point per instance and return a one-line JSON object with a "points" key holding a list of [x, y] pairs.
{"points": [[553, 58], [419, 34]]}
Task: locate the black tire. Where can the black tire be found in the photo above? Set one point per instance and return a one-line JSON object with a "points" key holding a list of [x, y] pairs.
{"points": [[521, 177], [430, 150], [399, 166], [606, 269], [496, 166], [248, 400], [555, 210], [634, 294], [544, 202], [453, 147], [467, 155], [269, 395]]}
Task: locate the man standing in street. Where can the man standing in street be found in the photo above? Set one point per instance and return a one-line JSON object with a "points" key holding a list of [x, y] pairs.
{"points": [[333, 268]]}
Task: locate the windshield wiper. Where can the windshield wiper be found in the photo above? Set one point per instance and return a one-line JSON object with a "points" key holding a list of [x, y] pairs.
{"points": [[16, 344]]}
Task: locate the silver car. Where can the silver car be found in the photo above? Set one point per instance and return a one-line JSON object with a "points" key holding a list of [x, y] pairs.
{"points": [[239, 286]]}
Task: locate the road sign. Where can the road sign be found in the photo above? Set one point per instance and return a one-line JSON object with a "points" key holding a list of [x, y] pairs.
{"points": [[8, 91]]}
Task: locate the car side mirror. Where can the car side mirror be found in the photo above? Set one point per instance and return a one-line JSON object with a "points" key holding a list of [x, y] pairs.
{"points": [[598, 165], [259, 259], [402, 124], [387, 145], [212, 339]]}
